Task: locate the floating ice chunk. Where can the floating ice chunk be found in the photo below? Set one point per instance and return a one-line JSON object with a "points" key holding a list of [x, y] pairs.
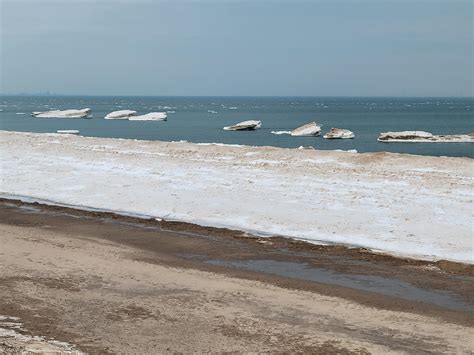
{"points": [[280, 132], [83, 113], [309, 129], [421, 136], [152, 116], [245, 126], [68, 131], [120, 115], [339, 133]]}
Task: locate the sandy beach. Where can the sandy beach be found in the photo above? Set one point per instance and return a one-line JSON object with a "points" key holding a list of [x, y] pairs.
{"points": [[101, 283], [132, 247]]}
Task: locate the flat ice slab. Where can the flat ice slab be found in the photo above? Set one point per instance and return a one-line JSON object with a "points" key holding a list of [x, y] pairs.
{"points": [[72, 113], [339, 133], [120, 115], [152, 116], [407, 205], [422, 136], [244, 126], [309, 129]]}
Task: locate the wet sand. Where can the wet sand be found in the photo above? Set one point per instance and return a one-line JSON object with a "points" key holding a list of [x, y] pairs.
{"points": [[108, 283]]}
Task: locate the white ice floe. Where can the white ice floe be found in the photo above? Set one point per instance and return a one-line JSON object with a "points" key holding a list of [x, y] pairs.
{"points": [[245, 126], [339, 133], [152, 116], [309, 129], [422, 136], [408, 205], [120, 115], [83, 113], [280, 132]]}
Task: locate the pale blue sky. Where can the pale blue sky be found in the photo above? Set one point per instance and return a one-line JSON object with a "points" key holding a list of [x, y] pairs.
{"points": [[313, 48]]}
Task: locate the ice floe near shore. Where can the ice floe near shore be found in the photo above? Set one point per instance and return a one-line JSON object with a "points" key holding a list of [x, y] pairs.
{"points": [[309, 129], [339, 133], [407, 205], [245, 126], [152, 116], [278, 133], [120, 115], [72, 113], [422, 136]]}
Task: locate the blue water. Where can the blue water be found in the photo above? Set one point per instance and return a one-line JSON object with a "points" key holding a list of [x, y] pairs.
{"points": [[366, 117]]}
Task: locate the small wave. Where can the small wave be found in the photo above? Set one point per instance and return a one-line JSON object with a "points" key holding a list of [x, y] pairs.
{"points": [[21, 113], [280, 132]]}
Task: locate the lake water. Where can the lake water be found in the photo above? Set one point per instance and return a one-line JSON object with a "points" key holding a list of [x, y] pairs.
{"points": [[190, 119]]}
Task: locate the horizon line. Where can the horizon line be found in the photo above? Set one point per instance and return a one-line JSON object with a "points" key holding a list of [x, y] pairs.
{"points": [[233, 96]]}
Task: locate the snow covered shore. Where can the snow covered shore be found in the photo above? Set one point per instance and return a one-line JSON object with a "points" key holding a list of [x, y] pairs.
{"points": [[407, 205]]}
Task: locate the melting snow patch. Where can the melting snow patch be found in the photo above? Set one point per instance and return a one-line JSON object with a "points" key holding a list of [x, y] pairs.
{"points": [[13, 337]]}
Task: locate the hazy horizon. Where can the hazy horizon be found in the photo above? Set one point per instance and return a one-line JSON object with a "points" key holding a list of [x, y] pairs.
{"points": [[25, 94], [318, 48]]}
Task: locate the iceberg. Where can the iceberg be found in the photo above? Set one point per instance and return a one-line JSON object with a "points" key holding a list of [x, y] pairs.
{"points": [[120, 115], [309, 129], [72, 113], [422, 136], [245, 126], [152, 116], [339, 133]]}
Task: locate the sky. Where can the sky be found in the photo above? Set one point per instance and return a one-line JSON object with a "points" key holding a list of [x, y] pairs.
{"points": [[237, 48]]}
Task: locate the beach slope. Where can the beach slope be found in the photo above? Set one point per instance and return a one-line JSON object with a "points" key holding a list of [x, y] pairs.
{"points": [[406, 205]]}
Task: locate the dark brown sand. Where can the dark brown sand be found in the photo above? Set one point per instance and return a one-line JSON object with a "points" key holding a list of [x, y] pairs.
{"points": [[109, 283]]}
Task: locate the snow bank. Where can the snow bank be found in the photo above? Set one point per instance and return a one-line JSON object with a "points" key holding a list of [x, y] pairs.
{"points": [[408, 205]]}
